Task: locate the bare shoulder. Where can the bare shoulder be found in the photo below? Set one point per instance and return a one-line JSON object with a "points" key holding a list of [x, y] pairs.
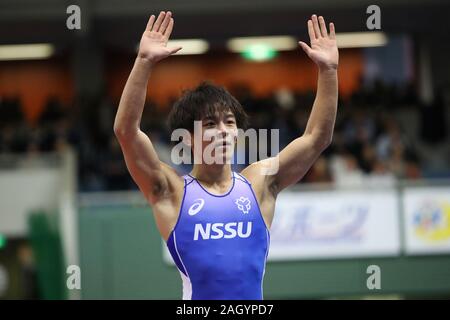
{"points": [[263, 186], [175, 186], [167, 203], [175, 181], [261, 175]]}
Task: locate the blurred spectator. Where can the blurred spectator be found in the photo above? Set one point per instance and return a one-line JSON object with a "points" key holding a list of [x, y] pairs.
{"points": [[369, 145]]}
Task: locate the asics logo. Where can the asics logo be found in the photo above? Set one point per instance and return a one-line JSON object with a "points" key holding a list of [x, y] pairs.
{"points": [[222, 230], [196, 206]]}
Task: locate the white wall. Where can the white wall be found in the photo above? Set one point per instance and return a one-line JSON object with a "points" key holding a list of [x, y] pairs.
{"points": [[24, 190]]}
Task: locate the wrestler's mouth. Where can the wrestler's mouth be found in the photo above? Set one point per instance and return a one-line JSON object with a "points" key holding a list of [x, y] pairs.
{"points": [[222, 144]]}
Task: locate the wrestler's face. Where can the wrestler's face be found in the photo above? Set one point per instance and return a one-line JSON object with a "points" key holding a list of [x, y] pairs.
{"points": [[218, 138]]}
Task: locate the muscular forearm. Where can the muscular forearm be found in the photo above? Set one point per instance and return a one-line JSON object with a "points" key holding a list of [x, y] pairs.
{"points": [[323, 114], [132, 102]]}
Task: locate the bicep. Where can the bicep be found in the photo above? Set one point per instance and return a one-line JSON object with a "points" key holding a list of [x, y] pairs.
{"points": [[271, 175], [142, 161], [295, 160]]}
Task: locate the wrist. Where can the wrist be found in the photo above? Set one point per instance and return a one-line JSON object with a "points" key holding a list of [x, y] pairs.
{"points": [[328, 68], [144, 63]]}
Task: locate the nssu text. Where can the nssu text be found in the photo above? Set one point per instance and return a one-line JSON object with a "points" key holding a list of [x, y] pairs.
{"points": [[222, 230]]}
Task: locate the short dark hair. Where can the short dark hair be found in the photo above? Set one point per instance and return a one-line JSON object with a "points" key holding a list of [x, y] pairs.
{"points": [[204, 101]]}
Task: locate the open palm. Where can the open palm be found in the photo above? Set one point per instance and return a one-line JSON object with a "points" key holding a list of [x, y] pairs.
{"points": [[323, 50], [153, 45]]}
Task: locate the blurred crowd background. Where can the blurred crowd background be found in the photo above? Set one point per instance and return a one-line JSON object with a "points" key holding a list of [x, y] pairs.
{"points": [[373, 139], [66, 197]]}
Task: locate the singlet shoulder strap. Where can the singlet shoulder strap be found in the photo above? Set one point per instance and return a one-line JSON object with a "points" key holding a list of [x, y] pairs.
{"points": [[240, 177], [188, 179]]}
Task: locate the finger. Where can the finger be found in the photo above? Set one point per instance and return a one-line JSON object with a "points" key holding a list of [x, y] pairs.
{"points": [[323, 27], [316, 27], [169, 29], [150, 23], [158, 21], [305, 47], [311, 33], [175, 50], [165, 23], [332, 31]]}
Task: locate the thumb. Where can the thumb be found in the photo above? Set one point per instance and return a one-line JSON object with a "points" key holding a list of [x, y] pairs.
{"points": [[305, 47], [175, 50]]}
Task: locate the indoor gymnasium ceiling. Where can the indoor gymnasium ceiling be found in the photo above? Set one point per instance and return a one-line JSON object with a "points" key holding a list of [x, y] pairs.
{"points": [[120, 22]]}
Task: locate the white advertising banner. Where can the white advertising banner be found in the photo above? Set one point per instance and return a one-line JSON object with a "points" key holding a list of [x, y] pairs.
{"points": [[335, 224], [427, 220]]}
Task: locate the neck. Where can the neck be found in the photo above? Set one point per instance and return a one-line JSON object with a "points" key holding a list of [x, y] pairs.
{"points": [[212, 174]]}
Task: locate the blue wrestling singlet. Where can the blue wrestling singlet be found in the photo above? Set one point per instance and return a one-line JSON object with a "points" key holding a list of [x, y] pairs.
{"points": [[220, 242]]}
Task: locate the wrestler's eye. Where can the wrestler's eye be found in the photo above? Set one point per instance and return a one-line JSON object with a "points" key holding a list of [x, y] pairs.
{"points": [[209, 124]]}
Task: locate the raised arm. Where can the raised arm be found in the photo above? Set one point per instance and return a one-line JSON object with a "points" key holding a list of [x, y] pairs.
{"points": [[298, 156], [150, 174]]}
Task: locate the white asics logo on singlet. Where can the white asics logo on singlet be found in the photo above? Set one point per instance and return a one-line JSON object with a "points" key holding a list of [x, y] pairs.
{"points": [[215, 230], [196, 207], [243, 204]]}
